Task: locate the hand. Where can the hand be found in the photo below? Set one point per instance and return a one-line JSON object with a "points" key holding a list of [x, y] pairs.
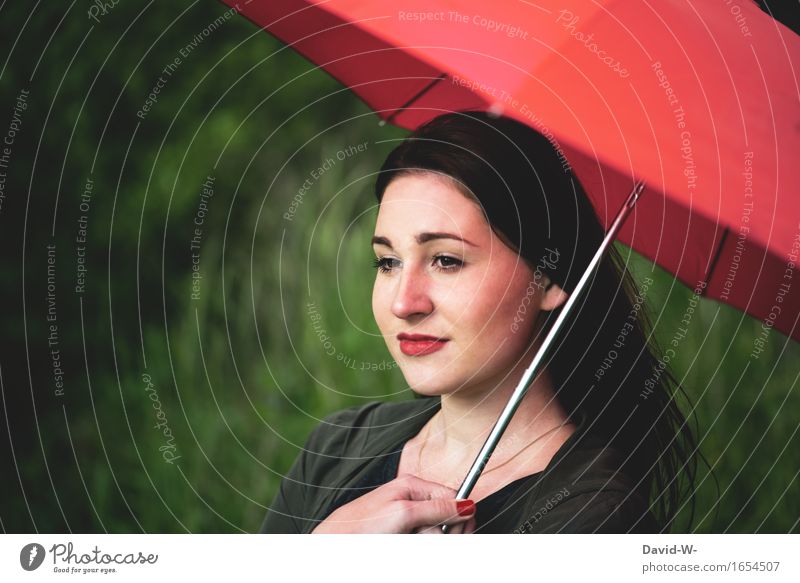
{"points": [[407, 504]]}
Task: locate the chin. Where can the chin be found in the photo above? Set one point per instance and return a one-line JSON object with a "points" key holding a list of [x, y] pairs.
{"points": [[425, 391], [429, 387], [436, 386], [434, 379]]}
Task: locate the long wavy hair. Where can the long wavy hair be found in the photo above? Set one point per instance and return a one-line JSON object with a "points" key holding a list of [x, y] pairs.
{"points": [[604, 362]]}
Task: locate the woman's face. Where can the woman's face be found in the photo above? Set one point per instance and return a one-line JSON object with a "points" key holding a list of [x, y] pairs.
{"points": [[443, 273]]}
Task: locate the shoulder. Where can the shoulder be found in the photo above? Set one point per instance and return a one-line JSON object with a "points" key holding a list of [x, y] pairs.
{"points": [[345, 441], [355, 429], [587, 490], [589, 463]]}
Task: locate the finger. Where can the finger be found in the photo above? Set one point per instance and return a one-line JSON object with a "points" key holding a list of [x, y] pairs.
{"points": [[430, 530], [470, 525], [467, 527], [437, 511], [456, 528], [414, 488]]}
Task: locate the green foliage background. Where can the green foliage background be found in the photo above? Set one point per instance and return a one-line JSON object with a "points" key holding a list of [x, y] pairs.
{"points": [[241, 373]]}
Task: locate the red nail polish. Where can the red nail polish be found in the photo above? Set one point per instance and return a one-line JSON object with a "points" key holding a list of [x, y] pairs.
{"points": [[465, 507]]}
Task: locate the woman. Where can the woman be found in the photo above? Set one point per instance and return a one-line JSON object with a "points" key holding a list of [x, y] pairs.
{"points": [[482, 233]]}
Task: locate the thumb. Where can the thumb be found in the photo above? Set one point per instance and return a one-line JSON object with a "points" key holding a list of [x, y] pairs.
{"points": [[415, 488], [441, 511]]}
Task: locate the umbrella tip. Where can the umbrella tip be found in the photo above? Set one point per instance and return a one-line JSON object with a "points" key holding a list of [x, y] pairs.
{"points": [[495, 110], [381, 122]]}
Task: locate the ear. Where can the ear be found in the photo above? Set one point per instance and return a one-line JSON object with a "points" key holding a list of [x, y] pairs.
{"points": [[553, 297]]}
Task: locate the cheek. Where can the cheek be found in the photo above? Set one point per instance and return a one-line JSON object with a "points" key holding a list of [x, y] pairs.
{"points": [[509, 308], [375, 303], [380, 303]]}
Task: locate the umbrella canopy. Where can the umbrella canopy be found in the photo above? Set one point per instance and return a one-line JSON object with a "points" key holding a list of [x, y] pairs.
{"points": [[698, 99]]}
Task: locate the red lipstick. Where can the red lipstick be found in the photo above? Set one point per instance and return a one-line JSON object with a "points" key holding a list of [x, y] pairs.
{"points": [[420, 344]]}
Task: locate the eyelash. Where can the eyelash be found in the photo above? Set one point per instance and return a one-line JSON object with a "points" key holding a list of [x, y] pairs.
{"points": [[380, 264]]}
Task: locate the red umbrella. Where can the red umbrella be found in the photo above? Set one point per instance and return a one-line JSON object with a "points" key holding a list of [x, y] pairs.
{"points": [[698, 99]]}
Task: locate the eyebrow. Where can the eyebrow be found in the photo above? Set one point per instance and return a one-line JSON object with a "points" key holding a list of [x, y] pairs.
{"points": [[422, 238]]}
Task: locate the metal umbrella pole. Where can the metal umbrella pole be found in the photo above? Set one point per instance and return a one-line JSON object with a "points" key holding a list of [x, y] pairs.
{"points": [[522, 387]]}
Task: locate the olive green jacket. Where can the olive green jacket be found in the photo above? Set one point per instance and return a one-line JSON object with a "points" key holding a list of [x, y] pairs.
{"points": [[580, 491]]}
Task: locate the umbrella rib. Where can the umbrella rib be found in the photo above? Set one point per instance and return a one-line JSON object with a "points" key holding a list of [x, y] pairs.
{"points": [[416, 96], [714, 261]]}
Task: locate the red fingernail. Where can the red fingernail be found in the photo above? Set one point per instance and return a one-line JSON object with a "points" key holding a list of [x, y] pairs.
{"points": [[465, 507]]}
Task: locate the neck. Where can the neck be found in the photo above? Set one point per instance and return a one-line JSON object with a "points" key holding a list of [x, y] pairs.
{"points": [[466, 417]]}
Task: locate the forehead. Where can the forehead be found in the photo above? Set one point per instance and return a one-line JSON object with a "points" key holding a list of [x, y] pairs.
{"points": [[416, 202]]}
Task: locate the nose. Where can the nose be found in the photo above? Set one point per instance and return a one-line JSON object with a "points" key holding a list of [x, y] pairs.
{"points": [[412, 294]]}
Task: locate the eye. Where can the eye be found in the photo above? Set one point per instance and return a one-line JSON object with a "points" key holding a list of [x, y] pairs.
{"points": [[380, 264], [440, 263], [447, 263]]}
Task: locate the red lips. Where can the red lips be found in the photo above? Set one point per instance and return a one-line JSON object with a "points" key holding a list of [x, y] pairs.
{"points": [[419, 344]]}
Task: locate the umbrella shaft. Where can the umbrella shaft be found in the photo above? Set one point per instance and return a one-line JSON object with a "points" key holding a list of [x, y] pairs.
{"points": [[522, 387]]}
